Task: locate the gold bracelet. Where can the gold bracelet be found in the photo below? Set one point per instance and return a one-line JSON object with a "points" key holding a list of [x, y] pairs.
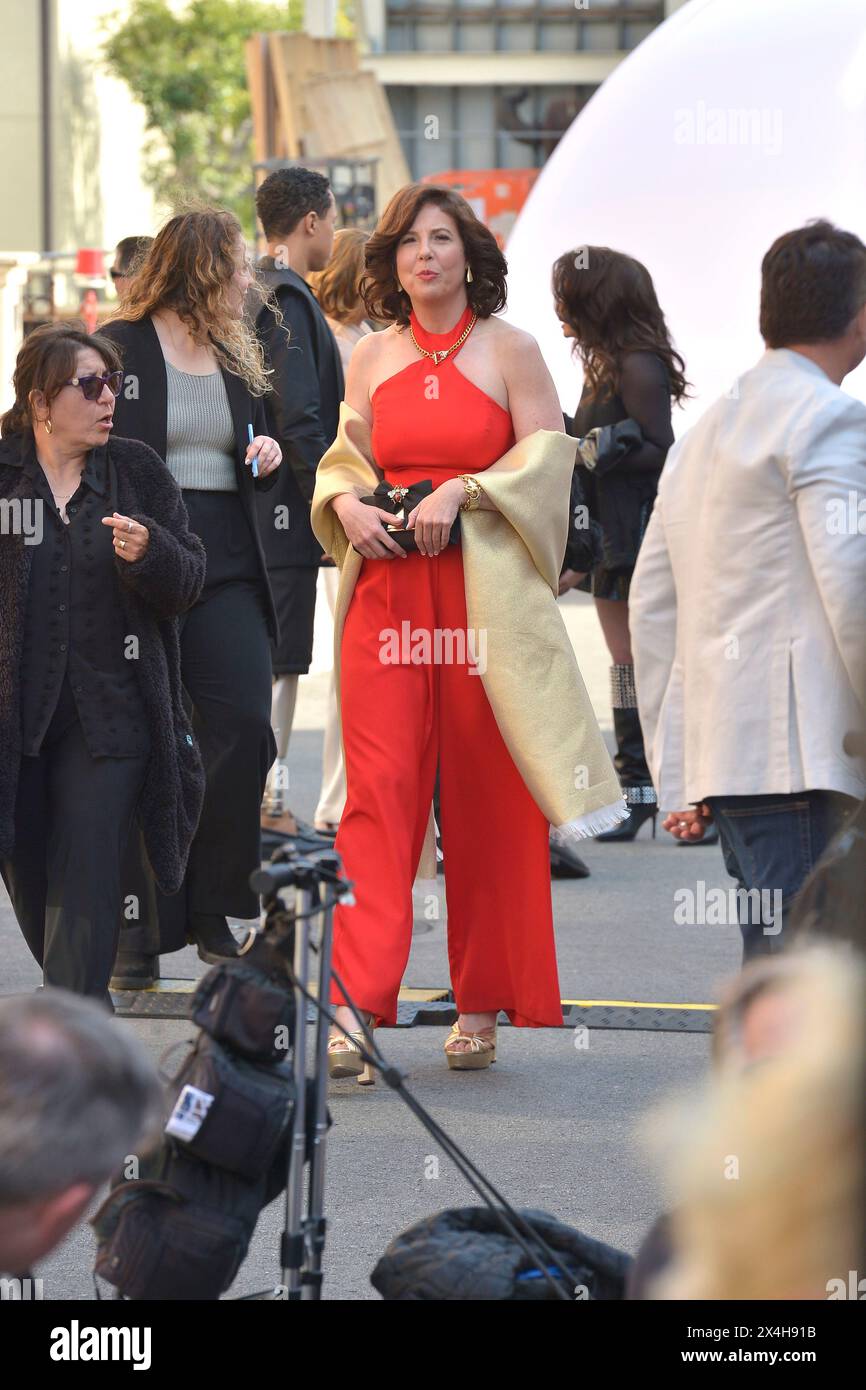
{"points": [[473, 493]]}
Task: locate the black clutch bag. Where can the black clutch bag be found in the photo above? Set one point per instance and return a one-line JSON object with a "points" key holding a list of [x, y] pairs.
{"points": [[400, 502]]}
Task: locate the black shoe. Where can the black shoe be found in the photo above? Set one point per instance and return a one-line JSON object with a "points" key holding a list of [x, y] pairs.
{"points": [[628, 828], [212, 938], [565, 863], [134, 970], [710, 837]]}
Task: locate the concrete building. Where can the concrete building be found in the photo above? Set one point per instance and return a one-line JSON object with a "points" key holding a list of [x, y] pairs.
{"points": [[480, 84], [71, 136], [70, 155]]}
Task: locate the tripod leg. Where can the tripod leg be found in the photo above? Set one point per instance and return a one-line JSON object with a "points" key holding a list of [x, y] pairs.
{"points": [[312, 1287], [292, 1252]]}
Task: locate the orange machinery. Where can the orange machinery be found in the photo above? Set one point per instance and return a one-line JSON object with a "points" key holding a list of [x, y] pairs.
{"points": [[495, 195]]}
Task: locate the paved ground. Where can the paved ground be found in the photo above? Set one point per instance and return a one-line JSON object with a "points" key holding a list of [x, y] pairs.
{"points": [[553, 1126]]}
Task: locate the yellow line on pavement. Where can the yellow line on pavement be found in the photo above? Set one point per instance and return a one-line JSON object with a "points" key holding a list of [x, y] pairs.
{"points": [[412, 994], [632, 1004]]}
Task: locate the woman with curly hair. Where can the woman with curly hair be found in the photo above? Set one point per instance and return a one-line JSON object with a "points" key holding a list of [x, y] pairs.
{"points": [[193, 387], [607, 304], [449, 644]]}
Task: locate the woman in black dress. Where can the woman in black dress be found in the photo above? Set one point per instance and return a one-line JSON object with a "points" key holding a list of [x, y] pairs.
{"points": [[193, 388], [607, 304], [97, 564]]}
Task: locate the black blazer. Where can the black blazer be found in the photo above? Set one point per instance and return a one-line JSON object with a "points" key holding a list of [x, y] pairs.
{"points": [[303, 410], [141, 411], [152, 592]]}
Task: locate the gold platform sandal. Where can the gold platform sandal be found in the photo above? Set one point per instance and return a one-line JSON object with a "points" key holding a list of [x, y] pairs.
{"points": [[344, 1058], [480, 1053]]}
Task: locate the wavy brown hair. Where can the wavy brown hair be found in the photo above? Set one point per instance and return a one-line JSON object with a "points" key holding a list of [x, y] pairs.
{"points": [[609, 300], [379, 288], [46, 361], [188, 268], [336, 287]]}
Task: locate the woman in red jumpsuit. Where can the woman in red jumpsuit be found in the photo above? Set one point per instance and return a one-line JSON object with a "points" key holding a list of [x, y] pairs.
{"points": [[448, 391]]}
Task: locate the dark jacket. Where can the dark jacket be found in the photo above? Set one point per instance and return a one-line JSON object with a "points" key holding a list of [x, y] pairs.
{"points": [[141, 412], [620, 498], [303, 410], [464, 1253], [153, 591]]}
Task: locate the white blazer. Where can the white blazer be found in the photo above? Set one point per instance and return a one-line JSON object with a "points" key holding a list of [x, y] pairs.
{"points": [[748, 601]]}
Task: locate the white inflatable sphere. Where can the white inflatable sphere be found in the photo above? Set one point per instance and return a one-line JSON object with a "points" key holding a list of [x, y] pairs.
{"points": [[735, 121]]}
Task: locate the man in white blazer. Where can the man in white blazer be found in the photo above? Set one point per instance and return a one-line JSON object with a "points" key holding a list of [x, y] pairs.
{"points": [[748, 602]]}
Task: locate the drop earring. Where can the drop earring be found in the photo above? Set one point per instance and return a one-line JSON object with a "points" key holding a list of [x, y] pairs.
{"points": [[48, 425], [469, 276]]}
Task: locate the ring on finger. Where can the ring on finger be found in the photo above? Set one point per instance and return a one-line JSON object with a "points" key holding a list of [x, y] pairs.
{"points": [[129, 525]]}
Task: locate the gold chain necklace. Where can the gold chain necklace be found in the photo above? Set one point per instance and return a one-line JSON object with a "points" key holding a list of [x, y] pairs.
{"points": [[442, 353]]}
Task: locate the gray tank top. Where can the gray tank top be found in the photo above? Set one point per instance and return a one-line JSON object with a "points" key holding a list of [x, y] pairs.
{"points": [[200, 435]]}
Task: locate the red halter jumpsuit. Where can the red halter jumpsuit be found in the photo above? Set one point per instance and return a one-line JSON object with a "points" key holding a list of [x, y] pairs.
{"points": [[402, 717]]}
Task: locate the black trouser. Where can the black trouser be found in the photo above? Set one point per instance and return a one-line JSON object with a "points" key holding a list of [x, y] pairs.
{"points": [[72, 821], [226, 672]]}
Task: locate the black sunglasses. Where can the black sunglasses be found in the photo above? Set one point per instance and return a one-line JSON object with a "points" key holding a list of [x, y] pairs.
{"points": [[91, 386]]}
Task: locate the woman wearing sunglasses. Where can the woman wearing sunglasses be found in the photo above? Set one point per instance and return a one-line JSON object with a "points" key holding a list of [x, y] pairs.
{"points": [[96, 563], [195, 378]]}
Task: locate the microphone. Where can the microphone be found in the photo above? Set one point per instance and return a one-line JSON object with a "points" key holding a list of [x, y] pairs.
{"points": [[269, 880], [303, 871]]}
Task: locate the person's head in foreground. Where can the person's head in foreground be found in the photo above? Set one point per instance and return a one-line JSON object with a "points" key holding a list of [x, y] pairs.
{"points": [[766, 1169], [78, 1094], [813, 293]]}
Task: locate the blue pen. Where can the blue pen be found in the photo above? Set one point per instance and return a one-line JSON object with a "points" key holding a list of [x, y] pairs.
{"points": [[255, 459]]}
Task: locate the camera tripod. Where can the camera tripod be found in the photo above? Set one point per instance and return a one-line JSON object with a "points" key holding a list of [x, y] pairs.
{"points": [[314, 874]]}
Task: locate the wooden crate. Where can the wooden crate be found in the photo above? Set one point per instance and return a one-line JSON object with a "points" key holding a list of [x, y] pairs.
{"points": [[310, 99], [349, 115]]}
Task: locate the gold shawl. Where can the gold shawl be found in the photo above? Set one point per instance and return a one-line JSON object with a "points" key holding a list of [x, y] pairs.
{"points": [[511, 563]]}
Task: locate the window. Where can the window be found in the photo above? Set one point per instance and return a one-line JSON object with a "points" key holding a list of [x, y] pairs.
{"points": [[482, 127], [528, 26]]}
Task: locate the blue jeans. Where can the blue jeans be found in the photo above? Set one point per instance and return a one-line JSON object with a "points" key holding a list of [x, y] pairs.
{"points": [[772, 843]]}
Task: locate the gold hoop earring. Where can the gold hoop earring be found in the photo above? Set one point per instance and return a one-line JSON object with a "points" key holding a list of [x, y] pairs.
{"points": [[469, 276], [48, 425]]}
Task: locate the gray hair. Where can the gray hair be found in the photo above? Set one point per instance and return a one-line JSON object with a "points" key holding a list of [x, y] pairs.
{"points": [[77, 1093]]}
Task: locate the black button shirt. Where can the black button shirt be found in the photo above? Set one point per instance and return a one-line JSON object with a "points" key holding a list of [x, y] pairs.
{"points": [[75, 629]]}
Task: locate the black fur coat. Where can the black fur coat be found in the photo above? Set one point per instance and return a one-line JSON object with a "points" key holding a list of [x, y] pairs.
{"points": [[152, 592]]}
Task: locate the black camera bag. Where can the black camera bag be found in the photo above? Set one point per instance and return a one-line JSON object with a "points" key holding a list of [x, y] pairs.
{"points": [[249, 1114], [239, 1005], [180, 1232]]}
